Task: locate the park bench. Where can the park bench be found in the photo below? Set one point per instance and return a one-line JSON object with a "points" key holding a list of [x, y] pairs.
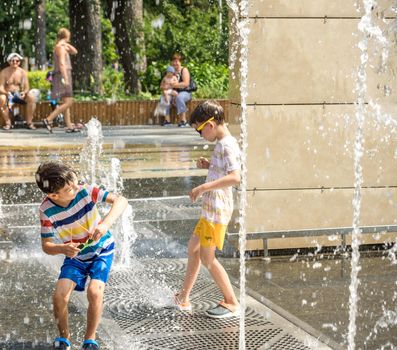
{"points": [[115, 112]]}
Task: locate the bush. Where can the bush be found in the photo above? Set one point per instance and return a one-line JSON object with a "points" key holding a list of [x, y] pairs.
{"points": [[37, 81], [212, 81]]}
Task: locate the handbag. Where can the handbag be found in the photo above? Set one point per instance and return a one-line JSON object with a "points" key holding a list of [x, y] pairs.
{"points": [[192, 85]]}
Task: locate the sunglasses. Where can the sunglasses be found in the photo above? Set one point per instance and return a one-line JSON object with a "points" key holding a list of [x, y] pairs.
{"points": [[17, 61], [201, 127]]}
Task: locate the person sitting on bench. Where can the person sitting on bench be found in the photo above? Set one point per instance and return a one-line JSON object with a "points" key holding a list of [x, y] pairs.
{"points": [[14, 89]]}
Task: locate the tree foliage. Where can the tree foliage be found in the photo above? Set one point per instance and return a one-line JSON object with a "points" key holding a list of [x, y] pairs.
{"points": [[196, 28], [193, 30]]}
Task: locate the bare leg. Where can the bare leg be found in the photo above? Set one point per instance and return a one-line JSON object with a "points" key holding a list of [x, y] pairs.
{"points": [[64, 107], [95, 304], [67, 118], [166, 97], [61, 297], [192, 270], [4, 110], [219, 275], [30, 101]]}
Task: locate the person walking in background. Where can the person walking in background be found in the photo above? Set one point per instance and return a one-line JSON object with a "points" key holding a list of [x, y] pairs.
{"points": [[14, 89], [69, 212], [181, 93], [62, 87], [217, 208]]}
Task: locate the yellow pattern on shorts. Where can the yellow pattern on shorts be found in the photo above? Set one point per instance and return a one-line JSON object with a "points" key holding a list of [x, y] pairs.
{"points": [[210, 234]]}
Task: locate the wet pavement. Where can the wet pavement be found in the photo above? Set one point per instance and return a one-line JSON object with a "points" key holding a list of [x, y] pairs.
{"points": [[293, 299]]}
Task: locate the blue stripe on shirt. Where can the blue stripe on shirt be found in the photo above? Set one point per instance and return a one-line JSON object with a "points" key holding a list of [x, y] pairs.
{"points": [[76, 216]]}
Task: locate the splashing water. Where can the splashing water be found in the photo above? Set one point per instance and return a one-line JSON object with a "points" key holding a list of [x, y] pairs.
{"points": [[1, 211], [240, 24], [388, 319], [92, 150], [366, 27], [92, 172], [115, 181], [124, 231]]}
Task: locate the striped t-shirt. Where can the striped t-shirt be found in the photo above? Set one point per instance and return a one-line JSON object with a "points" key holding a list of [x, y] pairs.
{"points": [[74, 222]]}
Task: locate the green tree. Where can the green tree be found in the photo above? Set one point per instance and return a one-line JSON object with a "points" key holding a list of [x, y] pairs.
{"points": [[194, 30], [16, 32], [127, 19], [85, 26]]}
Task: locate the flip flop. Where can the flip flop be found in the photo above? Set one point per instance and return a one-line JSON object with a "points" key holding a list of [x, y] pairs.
{"points": [[61, 344], [90, 344], [68, 130], [47, 125], [7, 127], [30, 126], [222, 310]]}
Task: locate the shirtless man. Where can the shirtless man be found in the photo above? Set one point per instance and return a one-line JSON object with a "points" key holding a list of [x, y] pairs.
{"points": [[14, 88]]}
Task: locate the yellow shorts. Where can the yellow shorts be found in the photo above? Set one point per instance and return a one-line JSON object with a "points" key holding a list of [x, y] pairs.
{"points": [[210, 234]]}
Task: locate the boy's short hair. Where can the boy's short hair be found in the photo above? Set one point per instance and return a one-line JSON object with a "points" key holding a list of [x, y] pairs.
{"points": [[53, 176], [206, 110]]}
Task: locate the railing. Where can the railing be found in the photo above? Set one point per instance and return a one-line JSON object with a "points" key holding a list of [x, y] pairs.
{"points": [[116, 113], [342, 231]]}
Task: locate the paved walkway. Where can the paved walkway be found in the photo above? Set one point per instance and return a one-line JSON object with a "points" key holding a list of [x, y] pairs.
{"points": [[138, 296], [294, 300], [144, 152]]}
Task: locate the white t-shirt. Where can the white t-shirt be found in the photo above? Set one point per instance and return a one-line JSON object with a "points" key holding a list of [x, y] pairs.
{"points": [[218, 204]]}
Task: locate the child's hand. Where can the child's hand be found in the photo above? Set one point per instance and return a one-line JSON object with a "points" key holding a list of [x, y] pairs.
{"points": [[203, 163], [99, 231], [195, 193], [70, 249]]}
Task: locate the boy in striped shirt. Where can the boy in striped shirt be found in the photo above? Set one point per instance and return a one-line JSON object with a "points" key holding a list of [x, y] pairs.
{"points": [[69, 213]]}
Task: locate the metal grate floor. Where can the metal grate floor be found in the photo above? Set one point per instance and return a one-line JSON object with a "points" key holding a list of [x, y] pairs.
{"points": [[136, 305]]}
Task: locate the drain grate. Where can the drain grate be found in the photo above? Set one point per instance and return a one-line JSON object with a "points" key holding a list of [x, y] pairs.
{"points": [[287, 342], [129, 300], [225, 340]]}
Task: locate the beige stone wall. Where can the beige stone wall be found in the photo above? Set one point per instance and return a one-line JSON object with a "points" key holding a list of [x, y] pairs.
{"points": [[303, 58]]}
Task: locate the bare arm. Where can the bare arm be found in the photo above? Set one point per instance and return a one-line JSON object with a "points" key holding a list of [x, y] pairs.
{"points": [[71, 49], [2, 83], [51, 248], [119, 203], [24, 84], [185, 80], [231, 179], [163, 85]]}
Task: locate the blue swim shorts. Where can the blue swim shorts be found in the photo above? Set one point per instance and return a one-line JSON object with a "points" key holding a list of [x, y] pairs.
{"points": [[16, 98], [78, 271]]}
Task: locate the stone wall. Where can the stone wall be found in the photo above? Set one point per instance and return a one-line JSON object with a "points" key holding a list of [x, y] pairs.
{"points": [[303, 59]]}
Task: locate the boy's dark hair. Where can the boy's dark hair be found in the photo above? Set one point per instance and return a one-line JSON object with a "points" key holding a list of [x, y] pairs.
{"points": [[53, 176], [207, 109]]}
